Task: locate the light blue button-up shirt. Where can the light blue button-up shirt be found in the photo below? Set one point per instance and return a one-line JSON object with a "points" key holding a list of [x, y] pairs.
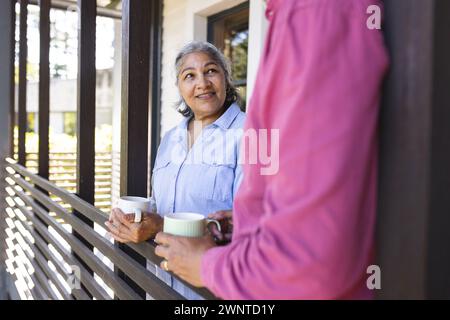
{"points": [[203, 179]]}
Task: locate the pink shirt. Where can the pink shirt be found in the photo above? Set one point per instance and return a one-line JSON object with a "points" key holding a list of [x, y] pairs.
{"points": [[307, 232]]}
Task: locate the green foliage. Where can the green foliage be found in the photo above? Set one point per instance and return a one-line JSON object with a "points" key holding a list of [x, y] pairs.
{"points": [[70, 123], [239, 56]]}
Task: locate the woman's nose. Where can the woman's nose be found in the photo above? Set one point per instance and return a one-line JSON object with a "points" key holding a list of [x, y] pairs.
{"points": [[203, 82]]}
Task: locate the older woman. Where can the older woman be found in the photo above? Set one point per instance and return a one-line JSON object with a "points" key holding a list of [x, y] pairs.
{"points": [[196, 167]]}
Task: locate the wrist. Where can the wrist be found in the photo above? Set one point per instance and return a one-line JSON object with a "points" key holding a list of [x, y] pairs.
{"points": [[159, 223], [156, 222]]}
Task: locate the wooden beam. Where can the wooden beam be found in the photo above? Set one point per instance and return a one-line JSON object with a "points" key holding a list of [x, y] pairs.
{"points": [[86, 110], [135, 96], [7, 53], [438, 244], [413, 242], [23, 54], [155, 79], [136, 39], [44, 95], [12, 100], [44, 88], [86, 101]]}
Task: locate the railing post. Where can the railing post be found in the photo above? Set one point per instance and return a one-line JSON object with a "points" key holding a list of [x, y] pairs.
{"points": [[155, 79], [136, 24], [23, 53], [86, 109], [7, 55], [44, 100], [12, 83], [413, 242], [44, 88]]}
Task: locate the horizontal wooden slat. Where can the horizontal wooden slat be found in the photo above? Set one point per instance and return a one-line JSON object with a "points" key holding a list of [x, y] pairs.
{"points": [[135, 271], [86, 278], [68, 164], [145, 249], [101, 178], [17, 265], [69, 184], [39, 279], [47, 272], [120, 288], [80, 294], [101, 172], [38, 290], [35, 154]]}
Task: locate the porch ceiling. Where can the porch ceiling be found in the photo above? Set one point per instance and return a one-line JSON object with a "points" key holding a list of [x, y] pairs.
{"points": [[109, 4]]}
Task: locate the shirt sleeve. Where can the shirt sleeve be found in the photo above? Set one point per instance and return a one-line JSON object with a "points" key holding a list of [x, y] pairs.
{"points": [[314, 238]]}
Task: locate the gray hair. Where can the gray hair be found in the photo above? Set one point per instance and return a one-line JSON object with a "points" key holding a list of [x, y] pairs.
{"points": [[232, 94]]}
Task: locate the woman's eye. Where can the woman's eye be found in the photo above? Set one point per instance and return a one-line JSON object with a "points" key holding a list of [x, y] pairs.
{"points": [[188, 76], [211, 71]]}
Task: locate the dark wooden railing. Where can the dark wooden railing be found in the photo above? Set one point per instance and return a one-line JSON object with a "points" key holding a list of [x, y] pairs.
{"points": [[33, 217]]}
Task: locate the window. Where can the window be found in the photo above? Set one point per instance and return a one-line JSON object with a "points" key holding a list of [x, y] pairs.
{"points": [[228, 31]]}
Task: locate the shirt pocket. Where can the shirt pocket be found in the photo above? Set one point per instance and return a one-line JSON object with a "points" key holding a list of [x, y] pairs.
{"points": [[222, 180], [199, 181], [160, 178]]}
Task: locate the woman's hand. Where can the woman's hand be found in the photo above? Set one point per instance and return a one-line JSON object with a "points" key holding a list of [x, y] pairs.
{"points": [[183, 255], [123, 228], [225, 219]]}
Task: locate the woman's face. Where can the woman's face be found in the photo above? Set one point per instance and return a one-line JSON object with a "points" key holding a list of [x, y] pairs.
{"points": [[202, 85]]}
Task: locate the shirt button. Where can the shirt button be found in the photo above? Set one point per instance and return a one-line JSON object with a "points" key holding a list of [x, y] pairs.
{"points": [[269, 14]]}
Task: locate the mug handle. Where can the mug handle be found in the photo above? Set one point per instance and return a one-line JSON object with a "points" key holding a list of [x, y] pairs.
{"points": [[137, 215], [208, 221]]}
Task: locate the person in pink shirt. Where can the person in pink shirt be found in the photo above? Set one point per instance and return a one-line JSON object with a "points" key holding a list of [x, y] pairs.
{"points": [[306, 231]]}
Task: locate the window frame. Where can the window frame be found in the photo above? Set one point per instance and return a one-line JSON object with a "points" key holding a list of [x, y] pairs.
{"points": [[237, 13]]}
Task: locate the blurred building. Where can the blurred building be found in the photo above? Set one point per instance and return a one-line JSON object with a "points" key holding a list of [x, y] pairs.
{"points": [[64, 103]]}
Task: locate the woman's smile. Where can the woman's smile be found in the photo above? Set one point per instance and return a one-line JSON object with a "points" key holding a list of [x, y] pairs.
{"points": [[206, 96]]}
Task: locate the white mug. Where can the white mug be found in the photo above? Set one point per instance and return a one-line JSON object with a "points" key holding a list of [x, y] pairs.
{"points": [[187, 224], [136, 205]]}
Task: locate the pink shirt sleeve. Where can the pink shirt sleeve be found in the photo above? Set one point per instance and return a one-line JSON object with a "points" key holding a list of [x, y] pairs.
{"points": [[307, 231]]}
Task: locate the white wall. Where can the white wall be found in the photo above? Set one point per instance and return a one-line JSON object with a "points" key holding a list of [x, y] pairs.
{"points": [[186, 20], [174, 35], [116, 113], [258, 26]]}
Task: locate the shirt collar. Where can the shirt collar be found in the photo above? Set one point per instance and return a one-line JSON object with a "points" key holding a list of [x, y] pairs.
{"points": [[184, 123], [224, 121]]}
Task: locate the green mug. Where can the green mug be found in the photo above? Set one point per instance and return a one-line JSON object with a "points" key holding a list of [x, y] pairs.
{"points": [[187, 224]]}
